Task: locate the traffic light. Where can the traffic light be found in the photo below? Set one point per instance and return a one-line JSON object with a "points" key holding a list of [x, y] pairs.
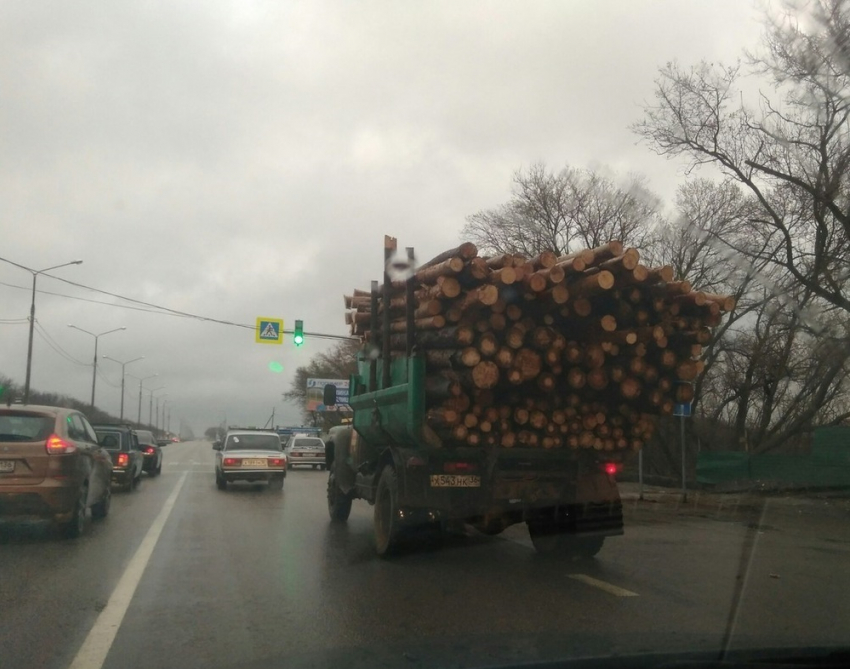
{"points": [[298, 333]]}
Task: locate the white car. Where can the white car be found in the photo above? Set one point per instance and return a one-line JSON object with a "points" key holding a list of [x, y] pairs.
{"points": [[304, 450], [250, 455]]}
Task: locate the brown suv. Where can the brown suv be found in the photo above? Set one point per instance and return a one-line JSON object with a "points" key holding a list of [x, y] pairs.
{"points": [[51, 466]]}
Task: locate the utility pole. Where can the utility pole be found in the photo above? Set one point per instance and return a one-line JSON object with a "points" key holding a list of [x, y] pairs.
{"points": [[123, 366], [94, 363]]}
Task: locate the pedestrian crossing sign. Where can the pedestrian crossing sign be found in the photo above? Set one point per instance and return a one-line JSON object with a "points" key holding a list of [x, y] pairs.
{"points": [[269, 330]]}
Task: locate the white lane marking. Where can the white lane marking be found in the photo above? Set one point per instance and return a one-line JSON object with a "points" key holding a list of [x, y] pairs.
{"points": [[93, 652], [602, 585]]}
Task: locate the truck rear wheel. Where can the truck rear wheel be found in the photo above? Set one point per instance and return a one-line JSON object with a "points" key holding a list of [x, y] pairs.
{"points": [[387, 523], [549, 539], [339, 504]]}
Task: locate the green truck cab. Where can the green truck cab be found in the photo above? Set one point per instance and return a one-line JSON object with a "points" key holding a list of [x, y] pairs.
{"points": [[389, 457]]}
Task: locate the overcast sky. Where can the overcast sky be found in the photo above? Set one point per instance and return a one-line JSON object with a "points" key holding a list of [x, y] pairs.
{"points": [[244, 158]]}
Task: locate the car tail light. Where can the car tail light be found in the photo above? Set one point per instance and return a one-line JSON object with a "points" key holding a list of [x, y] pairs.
{"points": [[56, 445], [611, 468], [123, 460], [149, 450], [232, 462], [459, 467], [277, 462]]}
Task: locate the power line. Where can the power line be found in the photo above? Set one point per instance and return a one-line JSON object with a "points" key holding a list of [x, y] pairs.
{"points": [[154, 308], [58, 349]]}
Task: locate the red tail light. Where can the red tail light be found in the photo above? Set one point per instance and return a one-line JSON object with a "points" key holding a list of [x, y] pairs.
{"points": [[277, 462], [232, 462], [123, 460], [612, 468], [56, 445], [149, 450], [459, 467]]}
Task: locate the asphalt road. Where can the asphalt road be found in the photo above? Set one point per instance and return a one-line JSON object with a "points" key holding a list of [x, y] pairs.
{"points": [[184, 575]]}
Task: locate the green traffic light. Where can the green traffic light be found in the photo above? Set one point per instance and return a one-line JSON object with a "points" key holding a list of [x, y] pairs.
{"points": [[298, 333]]}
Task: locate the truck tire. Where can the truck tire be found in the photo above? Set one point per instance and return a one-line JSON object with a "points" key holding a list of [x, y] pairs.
{"points": [[387, 524], [549, 539], [339, 504]]}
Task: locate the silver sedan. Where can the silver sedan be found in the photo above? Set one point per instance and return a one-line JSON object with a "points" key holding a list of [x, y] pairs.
{"points": [[250, 455]]}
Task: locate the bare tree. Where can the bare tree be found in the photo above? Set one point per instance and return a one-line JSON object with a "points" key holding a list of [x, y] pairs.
{"points": [[564, 211], [792, 155]]}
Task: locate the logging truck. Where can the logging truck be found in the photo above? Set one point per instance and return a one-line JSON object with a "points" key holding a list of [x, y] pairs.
{"points": [[495, 391]]}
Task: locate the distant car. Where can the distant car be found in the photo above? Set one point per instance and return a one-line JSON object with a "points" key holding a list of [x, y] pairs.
{"points": [[302, 450], [175, 440], [51, 466], [127, 457], [250, 455], [152, 452]]}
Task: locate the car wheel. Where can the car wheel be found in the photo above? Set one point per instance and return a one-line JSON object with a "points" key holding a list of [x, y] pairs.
{"points": [[386, 520], [221, 482], [75, 526], [549, 539], [339, 504], [137, 481], [276, 483], [101, 509]]}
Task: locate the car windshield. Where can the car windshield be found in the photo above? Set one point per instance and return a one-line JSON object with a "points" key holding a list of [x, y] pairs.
{"points": [[20, 426], [109, 439], [252, 441], [307, 443], [538, 312]]}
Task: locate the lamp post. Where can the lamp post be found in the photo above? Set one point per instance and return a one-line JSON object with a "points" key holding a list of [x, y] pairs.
{"points": [[94, 363], [35, 274], [156, 424], [123, 366], [141, 381], [150, 404]]}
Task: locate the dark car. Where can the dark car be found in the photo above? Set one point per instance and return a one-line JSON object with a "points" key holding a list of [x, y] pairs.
{"points": [[127, 457], [51, 466], [152, 452]]}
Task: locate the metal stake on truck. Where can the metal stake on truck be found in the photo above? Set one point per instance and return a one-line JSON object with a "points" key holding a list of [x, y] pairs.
{"points": [[480, 396]]}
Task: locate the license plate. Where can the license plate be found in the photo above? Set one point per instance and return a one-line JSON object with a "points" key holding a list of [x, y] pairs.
{"points": [[455, 481], [254, 463], [7, 465]]}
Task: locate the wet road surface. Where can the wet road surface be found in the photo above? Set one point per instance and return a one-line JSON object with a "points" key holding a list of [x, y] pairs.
{"points": [[184, 575]]}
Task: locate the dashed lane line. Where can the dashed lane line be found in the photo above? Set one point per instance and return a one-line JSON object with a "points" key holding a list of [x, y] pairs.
{"points": [[93, 652], [602, 585]]}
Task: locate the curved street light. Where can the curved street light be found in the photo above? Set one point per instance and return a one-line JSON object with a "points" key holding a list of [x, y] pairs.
{"points": [[94, 364], [123, 365], [141, 381], [35, 274]]}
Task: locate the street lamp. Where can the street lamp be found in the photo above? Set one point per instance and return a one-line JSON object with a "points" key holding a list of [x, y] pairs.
{"points": [[96, 336], [141, 381], [156, 424], [35, 274], [150, 404], [123, 365]]}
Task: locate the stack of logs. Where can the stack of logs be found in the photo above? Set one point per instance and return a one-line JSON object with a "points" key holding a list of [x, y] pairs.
{"points": [[581, 351]]}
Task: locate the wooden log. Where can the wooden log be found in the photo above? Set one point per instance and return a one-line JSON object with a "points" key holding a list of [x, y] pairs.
{"points": [[448, 267], [459, 432], [514, 312], [430, 323], [505, 276], [484, 375], [597, 379], [582, 307], [498, 322], [559, 294], [528, 362], [498, 262], [630, 388], [461, 403], [470, 420], [429, 308], [687, 370], [544, 260], [552, 275], [535, 282], [605, 252], [576, 378], [442, 417], [515, 336], [354, 301], [594, 356], [684, 393], [625, 337], [465, 251], [585, 255], [483, 295], [504, 357], [546, 381], [446, 287], [487, 344], [507, 440], [441, 387], [448, 358], [627, 261], [608, 323], [726, 302], [660, 274], [592, 284], [475, 271]]}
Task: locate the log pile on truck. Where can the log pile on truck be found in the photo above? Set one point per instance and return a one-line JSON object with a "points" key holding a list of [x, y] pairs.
{"points": [[581, 351]]}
